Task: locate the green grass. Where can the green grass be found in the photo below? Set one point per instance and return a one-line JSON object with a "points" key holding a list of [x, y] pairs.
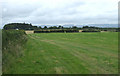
{"points": [[69, 53]]}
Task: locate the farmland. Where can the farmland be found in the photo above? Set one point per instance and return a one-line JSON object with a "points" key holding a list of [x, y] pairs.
{"points": [[69, 53]]}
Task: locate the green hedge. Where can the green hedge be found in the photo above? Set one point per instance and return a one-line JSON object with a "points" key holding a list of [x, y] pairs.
{"points": [[91, 30], [12, 46]]}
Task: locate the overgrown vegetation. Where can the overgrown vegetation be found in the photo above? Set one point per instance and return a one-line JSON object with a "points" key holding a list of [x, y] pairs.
{"points": [[12, 46]]}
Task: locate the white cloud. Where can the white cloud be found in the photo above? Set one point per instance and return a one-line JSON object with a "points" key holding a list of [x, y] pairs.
{"points": [[60, 11]]}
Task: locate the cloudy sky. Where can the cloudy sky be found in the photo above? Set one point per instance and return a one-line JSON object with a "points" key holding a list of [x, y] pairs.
{"points": [[60, 11]]}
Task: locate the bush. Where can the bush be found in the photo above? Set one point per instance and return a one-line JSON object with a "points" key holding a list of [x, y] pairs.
{"points": [[91, 30], [12, 45]]}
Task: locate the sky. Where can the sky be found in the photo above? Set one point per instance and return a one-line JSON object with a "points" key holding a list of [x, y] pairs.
{"points": [[59, 11]]}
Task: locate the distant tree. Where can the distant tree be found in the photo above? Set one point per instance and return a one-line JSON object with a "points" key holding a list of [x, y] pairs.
{"points": [[50, 27], [85, 26], [40, 27], [74, 27], [54, 27], [30, 24], [34, 27], [59, 27], [62, 27], [22, 26], [45, 27]]}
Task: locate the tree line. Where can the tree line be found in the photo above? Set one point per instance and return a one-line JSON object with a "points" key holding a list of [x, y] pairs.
{"points": [[27, 26]]}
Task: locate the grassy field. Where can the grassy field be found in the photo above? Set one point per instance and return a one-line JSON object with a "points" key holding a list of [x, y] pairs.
{"points": [[69, 53]]}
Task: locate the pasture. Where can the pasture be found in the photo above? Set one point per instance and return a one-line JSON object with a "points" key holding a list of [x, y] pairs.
{"points": [[69, 53]]}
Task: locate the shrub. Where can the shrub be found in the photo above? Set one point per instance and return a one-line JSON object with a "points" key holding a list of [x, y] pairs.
{"points": [[91, 30], [12, 45]]}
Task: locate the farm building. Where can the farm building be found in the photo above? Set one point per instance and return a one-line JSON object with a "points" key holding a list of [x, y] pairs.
{"points": [[29, 32], [80, 30]]}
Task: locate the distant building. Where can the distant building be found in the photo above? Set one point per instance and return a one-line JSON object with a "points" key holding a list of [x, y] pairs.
{"points": [[29, 32], [80, 30]]}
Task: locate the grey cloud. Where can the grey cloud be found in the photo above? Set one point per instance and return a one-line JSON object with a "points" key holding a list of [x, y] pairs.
{"points": [[66, 11]]}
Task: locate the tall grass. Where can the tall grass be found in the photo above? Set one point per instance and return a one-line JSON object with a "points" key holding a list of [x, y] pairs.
{"points": [[12, 46]]}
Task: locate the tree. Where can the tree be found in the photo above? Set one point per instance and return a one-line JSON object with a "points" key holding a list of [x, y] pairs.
{"points": [[45, 27], [40, 27], [85, 26], [54, 27], [23, 26], [50, 27], [59, 27], [74, 27], [62, 27]]}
